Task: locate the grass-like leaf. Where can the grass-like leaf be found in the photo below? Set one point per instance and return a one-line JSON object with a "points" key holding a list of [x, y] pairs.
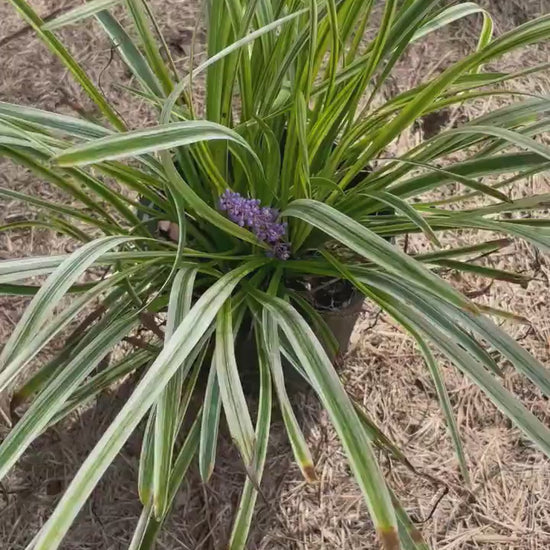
{"points": [[68, 60], [449, 15], [231, 391], [245, 511], [273, 356], [500, 396], [326, 383], [370, 245], [130, 53], [48, 121], [167, 409], [148, 140], [446, 406], [43, 304], [79, 13], [210, 425], [104, 380], [148, 527], [49, 402], [138, 12], [408, 211], [181, 344]]}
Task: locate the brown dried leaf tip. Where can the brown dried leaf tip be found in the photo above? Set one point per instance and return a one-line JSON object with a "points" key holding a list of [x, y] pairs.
{"points": [[309, 473], [389, 538]]}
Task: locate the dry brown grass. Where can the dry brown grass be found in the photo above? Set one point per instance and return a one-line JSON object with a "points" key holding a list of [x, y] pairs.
{"points": [[508, 505]]}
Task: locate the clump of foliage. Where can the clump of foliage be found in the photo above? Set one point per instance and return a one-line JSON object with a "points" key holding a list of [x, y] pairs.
{"points": [[287, 157]]}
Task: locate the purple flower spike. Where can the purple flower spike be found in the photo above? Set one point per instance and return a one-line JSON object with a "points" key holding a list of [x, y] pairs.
{"points": [[261, 220]]}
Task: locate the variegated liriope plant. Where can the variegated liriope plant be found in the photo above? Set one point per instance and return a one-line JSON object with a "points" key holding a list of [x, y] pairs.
{"points": [[282, 170]]}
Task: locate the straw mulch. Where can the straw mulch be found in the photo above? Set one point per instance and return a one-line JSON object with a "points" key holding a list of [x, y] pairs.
{"points": [[507, 506]]}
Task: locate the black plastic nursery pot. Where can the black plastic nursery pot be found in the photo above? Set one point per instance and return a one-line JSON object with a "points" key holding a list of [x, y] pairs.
{"points": [[341, 322], [337, 302], [341, 318]]}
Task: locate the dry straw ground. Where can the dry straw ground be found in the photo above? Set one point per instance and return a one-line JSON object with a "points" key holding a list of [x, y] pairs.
{"points": [[508, 504]]}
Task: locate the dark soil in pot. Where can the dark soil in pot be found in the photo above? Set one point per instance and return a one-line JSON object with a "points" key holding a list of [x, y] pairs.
{"points": [[339, 304]]}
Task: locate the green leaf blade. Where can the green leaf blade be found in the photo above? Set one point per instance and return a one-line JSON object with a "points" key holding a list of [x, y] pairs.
{"points": [[167, 409], [210, 425], [298, 443], [243, 520], [350, 430], [373, 247], [147, 140], [49, 402], [231, 391], [79, 14]]}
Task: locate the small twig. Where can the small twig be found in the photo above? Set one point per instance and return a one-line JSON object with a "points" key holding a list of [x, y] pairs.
{"points": [[434, 507], [149, 323], [113, 48], [530, 331], [138, 343], [86, 322], [468, 500], [480, 292], [376, 320], [111, 57]]}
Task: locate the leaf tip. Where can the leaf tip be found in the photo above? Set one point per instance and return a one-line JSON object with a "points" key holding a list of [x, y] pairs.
{"points": [[309, 473], [470, 307], [504, 242], [436, 242], [389, 538]]}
